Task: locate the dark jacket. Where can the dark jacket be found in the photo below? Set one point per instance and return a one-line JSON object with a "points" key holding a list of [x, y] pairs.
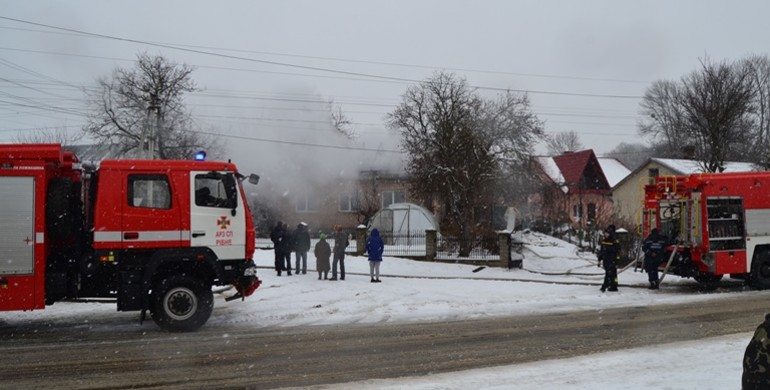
{"points": [[654, 248], [756, 359], [609, 250], [322, 253], [375, 246], [287, 242], [301, 239], [340, 242], [276, 236]]}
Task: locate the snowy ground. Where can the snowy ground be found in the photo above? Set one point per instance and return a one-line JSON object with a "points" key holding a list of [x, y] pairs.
{"points": [[555, 278]]}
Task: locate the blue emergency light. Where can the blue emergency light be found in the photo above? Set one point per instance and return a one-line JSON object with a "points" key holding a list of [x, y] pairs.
{"points": [[200, 156]]}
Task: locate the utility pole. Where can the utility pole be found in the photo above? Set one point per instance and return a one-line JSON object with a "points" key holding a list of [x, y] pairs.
{"points": [[153, 126]]}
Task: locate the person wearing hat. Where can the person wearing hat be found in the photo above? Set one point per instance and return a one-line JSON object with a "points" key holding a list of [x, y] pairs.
{"points": [[609, 254], [322, 253]]}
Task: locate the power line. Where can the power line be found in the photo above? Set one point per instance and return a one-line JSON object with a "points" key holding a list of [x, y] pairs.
{"points": [[371, 62], [306, 67]]}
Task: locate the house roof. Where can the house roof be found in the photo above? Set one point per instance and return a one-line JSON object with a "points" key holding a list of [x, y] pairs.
{"points": [[573, 164], [614, 170], [689, 167], [570, 169]]}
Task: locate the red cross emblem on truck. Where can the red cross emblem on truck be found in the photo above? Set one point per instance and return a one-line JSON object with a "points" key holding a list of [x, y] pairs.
{"points": [[223, 222]]}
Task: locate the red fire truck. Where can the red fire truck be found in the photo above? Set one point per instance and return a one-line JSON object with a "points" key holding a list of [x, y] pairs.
{"points": [[720, 223], [154, 235]]}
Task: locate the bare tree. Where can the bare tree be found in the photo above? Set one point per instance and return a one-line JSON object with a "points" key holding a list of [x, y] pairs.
{"points": [[458, 144], [49, 135], [759, 76], [706, 112], [633, 155], [559, 143], [144, 106], [340, 121]]}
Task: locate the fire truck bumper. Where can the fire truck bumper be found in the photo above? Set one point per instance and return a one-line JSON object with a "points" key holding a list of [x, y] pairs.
{"points": [[247, 283]]}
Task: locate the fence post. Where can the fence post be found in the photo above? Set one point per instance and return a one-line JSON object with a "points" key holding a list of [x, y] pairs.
{"points": [[504, 242], [430, 244], [360, 240]]}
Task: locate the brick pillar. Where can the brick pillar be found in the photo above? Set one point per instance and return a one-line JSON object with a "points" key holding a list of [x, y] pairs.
{"points": [[360, 240], [504, 242], [430, 244]]}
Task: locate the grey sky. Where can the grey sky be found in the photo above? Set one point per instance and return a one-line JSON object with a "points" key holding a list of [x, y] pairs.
{"points": [[585, 63]]}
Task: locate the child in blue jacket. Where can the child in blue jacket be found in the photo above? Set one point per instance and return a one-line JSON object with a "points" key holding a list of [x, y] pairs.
{"points": [[374, 247]]}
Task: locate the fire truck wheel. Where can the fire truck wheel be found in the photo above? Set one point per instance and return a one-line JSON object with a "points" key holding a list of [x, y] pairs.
{"points": [[181, 303], [760, 271]]}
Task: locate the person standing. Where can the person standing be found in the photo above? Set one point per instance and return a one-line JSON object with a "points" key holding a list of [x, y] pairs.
{"points": [[322, 253], [276, 236], [654, 248], [340, 243], [374, 249], [301, 247], [609, 254], [286, 248], [756, 359]]}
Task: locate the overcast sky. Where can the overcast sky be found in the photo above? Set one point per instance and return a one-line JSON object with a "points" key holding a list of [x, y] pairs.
{"points": [[263, 66]]}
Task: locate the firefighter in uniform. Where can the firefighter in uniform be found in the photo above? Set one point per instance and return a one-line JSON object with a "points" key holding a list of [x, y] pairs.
{"points": [[609, 254], [756, 359], [654, 248]]}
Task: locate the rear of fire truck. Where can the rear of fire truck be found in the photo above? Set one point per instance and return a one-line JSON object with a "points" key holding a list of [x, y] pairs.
{"points": [[718, 225]]}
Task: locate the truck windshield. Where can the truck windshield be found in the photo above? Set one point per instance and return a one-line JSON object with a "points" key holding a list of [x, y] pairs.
{"points": [[216, 190]]}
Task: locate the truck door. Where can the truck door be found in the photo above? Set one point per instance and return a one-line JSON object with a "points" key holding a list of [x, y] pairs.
{"points": [[17, 245], [217, 214], [150, 218]]}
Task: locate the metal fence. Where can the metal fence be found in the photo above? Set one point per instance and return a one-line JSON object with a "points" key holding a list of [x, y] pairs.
{"points": [[411, 244], [481, 248]]}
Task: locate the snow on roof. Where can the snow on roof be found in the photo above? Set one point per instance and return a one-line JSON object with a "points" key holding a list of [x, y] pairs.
{"points": [[613, 170], [552, 170], [687, 167]]}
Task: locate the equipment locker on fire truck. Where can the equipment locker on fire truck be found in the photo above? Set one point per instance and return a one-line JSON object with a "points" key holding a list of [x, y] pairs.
{"points": [[155, 235]]}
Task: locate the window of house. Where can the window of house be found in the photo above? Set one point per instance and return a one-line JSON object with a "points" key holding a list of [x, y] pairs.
{"points": [[591, 211], [652, 173], [349, 202], [149, 191], [390, 197], [307, 202], [577, 211]]}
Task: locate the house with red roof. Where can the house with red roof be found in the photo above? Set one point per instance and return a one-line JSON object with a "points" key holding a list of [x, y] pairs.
{"points": [[574, 189]]}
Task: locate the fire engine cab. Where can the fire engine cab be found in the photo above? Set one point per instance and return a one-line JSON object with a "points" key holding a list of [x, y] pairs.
{"points": [[719, 224], [153, 235]]}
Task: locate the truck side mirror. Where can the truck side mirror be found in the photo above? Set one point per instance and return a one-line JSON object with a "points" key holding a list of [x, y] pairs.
{"points": [[254, 179]]}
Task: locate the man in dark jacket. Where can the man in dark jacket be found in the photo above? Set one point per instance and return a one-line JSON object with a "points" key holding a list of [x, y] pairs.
{"points": [[340, 243], [287, 243], [654, 248], [756, 359], [609, 254], [276, 236], [301, 247]]}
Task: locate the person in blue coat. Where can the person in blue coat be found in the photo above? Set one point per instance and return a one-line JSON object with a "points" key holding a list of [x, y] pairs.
{"points": [[374, 248]]}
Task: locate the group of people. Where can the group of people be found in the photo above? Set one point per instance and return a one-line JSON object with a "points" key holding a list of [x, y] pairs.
{"points": [[285, 242], [654, 248]]}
